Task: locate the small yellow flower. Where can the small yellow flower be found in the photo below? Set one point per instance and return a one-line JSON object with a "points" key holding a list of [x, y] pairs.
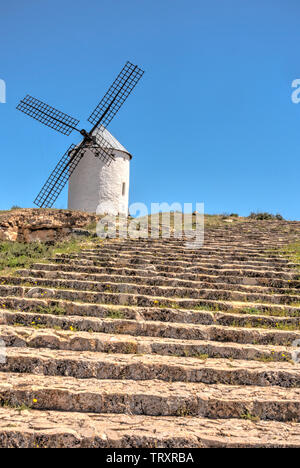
{"points": [[34, 400]]}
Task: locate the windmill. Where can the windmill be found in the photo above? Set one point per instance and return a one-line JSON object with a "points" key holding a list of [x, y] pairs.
{"points": [[97, 184]]}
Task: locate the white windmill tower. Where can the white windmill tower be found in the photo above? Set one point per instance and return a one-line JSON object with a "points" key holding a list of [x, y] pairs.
{"points": [[101, 188], [98, 167]]}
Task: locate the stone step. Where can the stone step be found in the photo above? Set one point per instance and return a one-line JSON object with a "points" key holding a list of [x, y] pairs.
{"points": [[222, 243], [127, 298], [157, 291], [209, 260], [55, 429], [148, 367], [153, 274], [145, 281], [210, 245], [173, 253], [225, 245], [108, 260], [39, 307], [199, 255], [248, 272], [113, 342], [256, 239], [149, 398]]}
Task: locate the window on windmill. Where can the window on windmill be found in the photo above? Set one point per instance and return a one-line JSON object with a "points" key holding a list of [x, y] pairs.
{"points": [[123, 188]]}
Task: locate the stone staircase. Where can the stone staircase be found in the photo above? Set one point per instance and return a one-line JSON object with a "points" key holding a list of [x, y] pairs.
{"points": [[146, 343]]}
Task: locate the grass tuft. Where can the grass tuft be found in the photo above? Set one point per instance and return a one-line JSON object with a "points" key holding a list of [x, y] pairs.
{"points": [[293, 252], [250, 417], [115, 314], [20, 255]]}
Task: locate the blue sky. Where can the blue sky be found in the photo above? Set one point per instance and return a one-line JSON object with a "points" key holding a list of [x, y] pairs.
{"points": [[211, 121]]}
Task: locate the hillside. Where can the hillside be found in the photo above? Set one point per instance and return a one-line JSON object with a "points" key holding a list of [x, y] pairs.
{"points": [[146, 343]]}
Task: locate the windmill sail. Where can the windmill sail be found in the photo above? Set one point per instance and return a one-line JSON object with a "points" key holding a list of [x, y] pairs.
{"points": [[47, 115], [59, 177], [116, 95]]}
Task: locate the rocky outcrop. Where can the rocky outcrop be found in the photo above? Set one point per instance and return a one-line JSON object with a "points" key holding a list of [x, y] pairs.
{"points": [[42, 225]]}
